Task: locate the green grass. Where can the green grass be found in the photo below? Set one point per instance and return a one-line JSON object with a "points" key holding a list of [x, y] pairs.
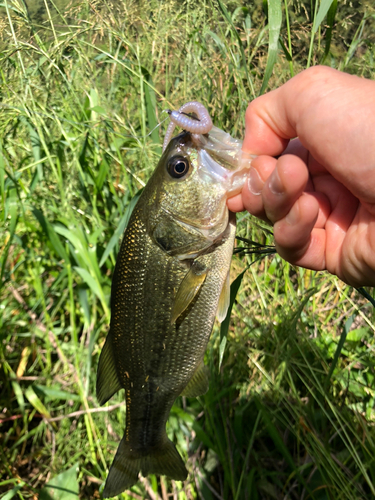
{"points": [[290, 410]]}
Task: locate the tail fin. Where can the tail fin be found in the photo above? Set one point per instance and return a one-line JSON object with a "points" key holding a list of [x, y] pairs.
{"points": [[127, 464]]}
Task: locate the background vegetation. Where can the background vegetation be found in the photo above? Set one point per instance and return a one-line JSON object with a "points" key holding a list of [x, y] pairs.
{"points": [[290, 411]]}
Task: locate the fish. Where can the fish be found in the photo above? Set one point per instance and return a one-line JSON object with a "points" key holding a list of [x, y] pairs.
{"points": [[170, 281]]}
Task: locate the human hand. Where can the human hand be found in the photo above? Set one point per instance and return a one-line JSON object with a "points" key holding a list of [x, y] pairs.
{"points": [[320, 194]]}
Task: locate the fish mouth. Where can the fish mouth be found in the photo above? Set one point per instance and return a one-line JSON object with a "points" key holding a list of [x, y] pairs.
{"points": [[232, 180], [221, 158]]}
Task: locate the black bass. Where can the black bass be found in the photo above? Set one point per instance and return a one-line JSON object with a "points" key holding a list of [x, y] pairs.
{"points": [[171, 279]]}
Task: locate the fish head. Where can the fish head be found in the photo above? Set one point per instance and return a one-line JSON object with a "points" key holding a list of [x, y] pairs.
{"points": [[193, 180]]}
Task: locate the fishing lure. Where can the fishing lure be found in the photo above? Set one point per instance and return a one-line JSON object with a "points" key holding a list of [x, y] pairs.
{"points": [[196, 126]]}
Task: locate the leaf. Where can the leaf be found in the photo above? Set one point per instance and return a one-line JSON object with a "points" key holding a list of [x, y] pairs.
{"points": [[36, 151], [330, 22], [52, 393], [339, 347], [285, 50], [203, 436], [51, 235], [274, 25], [223, 344], [225, 324], [17, 11], [19, 395], [2, 177], [90, 282], [322, 12], [62, 487], [12, 203], [218, 41], [319, 15], [83, 300], [151, 111], [82, 154], [355, 42], [225, 13], [102, 174], [84, 254], [36, 402], [278, 441], [366, 295], [357, 334], [10, 494], [98, 109]]}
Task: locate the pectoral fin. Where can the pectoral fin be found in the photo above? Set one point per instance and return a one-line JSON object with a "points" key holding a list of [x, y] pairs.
{"points": [[224, 300], [188, 289], [107, 381], [198, 384]]}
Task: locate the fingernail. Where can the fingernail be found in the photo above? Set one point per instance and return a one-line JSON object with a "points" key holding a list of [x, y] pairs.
{"points": [[275, 185], [293, 216], [255, 182]]}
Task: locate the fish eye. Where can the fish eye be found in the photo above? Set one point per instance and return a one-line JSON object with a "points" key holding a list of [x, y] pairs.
{"points": [[178, 166]]}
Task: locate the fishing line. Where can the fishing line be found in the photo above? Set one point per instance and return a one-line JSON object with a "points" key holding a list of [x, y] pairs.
{"points": [[26, 113], [254, 248]]}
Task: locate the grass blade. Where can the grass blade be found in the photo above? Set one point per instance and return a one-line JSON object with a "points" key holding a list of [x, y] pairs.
{"points": [[274, 26], [319, 16], [331, 14], [339, 347], [151, 111], [64, 486], [91, 283], [36, 402], [234, 287], [51, 234], [278, 442], [229, 20], [322, 12]]}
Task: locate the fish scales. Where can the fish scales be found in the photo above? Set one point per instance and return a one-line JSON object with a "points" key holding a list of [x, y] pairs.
{"points": [[170, 275]]}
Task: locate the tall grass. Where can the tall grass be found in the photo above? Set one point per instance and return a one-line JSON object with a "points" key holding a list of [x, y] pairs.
{"points": [[290, 409]]}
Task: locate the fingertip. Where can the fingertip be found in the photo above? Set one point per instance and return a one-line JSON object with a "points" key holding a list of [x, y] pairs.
{"points": [[284, 186], [296, 237], [236, 204], [262, 167]]}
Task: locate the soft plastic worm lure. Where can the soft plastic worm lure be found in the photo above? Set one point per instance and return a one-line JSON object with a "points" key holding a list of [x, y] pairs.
{"points": [[201, 125]]}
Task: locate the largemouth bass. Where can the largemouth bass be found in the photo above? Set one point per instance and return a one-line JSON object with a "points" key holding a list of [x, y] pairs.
{"points": [[171, 279]]}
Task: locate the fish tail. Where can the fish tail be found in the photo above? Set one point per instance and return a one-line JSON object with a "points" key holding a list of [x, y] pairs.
{"points": [[126, 466]]}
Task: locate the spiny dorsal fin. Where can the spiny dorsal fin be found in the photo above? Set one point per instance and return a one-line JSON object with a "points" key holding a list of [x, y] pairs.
{"points": [[224, 300], [107, 382], [188, 289], [198, 384]]}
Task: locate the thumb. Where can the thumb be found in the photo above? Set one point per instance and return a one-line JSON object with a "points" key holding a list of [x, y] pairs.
{"points": [[332, 115], [291, 110]]}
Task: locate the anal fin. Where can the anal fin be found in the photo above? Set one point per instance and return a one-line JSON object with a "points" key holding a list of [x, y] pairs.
{"points": [[107, 381], [199, 382]]}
